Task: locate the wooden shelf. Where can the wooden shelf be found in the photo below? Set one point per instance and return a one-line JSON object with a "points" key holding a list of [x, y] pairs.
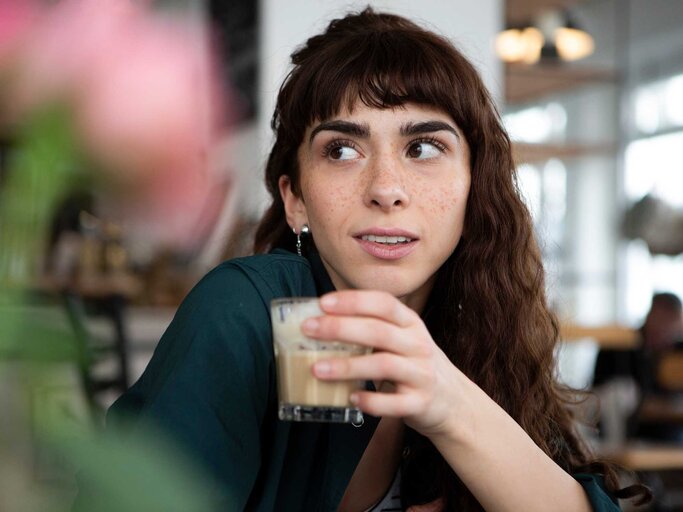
{"points": [[532, 153], [526, 83]]}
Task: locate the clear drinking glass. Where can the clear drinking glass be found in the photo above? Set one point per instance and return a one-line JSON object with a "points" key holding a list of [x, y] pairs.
{"points": [[303, 397]]}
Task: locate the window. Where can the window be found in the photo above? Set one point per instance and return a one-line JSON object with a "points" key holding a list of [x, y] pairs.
{"points": [[537, 124], [653, 165], [659, 105]]}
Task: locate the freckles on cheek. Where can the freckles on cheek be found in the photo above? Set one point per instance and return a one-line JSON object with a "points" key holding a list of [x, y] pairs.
{"points": [[442, 201], [331, 201], [341, 198]]}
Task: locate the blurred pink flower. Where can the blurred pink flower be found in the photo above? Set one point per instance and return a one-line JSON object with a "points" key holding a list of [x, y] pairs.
{"points": [[145, 97], [63, 47], [147, 104], [151, 111], [16, 19]]}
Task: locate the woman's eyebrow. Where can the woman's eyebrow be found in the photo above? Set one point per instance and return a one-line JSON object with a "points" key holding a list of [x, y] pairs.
{"points": [[355, 129], [409, 129]]}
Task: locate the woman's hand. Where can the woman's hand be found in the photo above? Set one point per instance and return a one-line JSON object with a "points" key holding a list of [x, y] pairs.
{"points": [[427, 384], [475, 436]]}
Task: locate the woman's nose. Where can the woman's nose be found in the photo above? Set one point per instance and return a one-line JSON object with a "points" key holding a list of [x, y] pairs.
{"points": [[386, 186]]}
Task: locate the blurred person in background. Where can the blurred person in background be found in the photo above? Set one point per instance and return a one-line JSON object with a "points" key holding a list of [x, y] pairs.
{"points": [[661, 333], [663, 327]]}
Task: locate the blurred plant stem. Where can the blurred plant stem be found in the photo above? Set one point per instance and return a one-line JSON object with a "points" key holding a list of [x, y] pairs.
{"points": [[44, 166]]}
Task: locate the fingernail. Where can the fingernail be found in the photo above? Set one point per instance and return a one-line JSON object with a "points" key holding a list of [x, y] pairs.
{"points": [[328, 300], [354, 399], [323, 368], [310, 325]]}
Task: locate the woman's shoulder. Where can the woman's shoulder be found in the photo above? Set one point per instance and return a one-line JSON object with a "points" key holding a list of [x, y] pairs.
{"points": [[278, 269], [594, 486], [262, 276], [276, 259]]}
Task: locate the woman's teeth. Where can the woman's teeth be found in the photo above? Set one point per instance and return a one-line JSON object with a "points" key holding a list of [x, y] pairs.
{"points": [[386, 239]]}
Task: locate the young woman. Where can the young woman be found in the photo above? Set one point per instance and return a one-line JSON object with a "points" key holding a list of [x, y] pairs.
{"points": [[391, 156]]}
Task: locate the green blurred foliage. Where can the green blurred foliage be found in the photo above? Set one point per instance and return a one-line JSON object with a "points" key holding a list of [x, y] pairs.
{"points": [[143, 474], [140, 473], [44, 166]]}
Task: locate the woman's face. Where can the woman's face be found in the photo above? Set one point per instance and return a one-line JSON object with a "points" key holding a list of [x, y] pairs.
{"points": [[384, 193]]}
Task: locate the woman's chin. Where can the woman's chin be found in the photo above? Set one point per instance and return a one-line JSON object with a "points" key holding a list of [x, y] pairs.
{"points": [[412, 292]]}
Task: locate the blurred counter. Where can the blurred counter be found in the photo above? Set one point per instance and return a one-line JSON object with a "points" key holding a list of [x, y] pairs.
{"points": [[606, 336]]}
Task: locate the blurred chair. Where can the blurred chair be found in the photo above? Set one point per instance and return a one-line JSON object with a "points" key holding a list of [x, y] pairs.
{"points": [[659, 420], [660, 415], [96, 349]]}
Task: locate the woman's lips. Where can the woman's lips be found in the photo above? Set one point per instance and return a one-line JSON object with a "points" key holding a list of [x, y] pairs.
{"points": [[387, 251]]}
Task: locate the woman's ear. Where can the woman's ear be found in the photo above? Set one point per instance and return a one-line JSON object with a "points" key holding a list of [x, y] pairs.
{"points": [[295, 209]]}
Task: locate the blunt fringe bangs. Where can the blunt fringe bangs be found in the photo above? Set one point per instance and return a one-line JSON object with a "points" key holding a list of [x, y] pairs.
{"points": [[382, 69], [384, 61]]}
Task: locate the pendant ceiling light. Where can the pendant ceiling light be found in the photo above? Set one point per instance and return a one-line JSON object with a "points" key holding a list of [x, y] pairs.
{"points": [[573, 43], [553, 36], [522, 44]]}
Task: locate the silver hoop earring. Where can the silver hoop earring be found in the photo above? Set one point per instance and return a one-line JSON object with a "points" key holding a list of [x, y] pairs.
{"points": [[305, 230]]}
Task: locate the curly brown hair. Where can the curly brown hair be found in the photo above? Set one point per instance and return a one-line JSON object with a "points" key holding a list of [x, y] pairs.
{"points": [[488, 310]]}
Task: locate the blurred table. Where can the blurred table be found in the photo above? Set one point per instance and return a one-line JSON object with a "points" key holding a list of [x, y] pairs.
{"points": [[642, 456], [607, 336], [100, 286]]}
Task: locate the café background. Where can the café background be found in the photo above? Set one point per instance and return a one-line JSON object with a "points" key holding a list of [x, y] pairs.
{"points": [[597, 142]]}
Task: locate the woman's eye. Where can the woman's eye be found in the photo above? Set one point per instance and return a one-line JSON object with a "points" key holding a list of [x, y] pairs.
{"points": [[424, 150], [342, 152]]}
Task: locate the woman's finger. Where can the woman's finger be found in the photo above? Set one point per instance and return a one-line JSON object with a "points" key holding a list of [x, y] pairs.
{"points": [[395, 405], [379, 366], [373, 303], [366, 331]]}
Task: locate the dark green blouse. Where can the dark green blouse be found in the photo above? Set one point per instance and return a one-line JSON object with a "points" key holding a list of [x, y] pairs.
{"points": [[211, 385]]}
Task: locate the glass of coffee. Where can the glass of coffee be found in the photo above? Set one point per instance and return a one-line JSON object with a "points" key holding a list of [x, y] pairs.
{"points": [[303, 397]]}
